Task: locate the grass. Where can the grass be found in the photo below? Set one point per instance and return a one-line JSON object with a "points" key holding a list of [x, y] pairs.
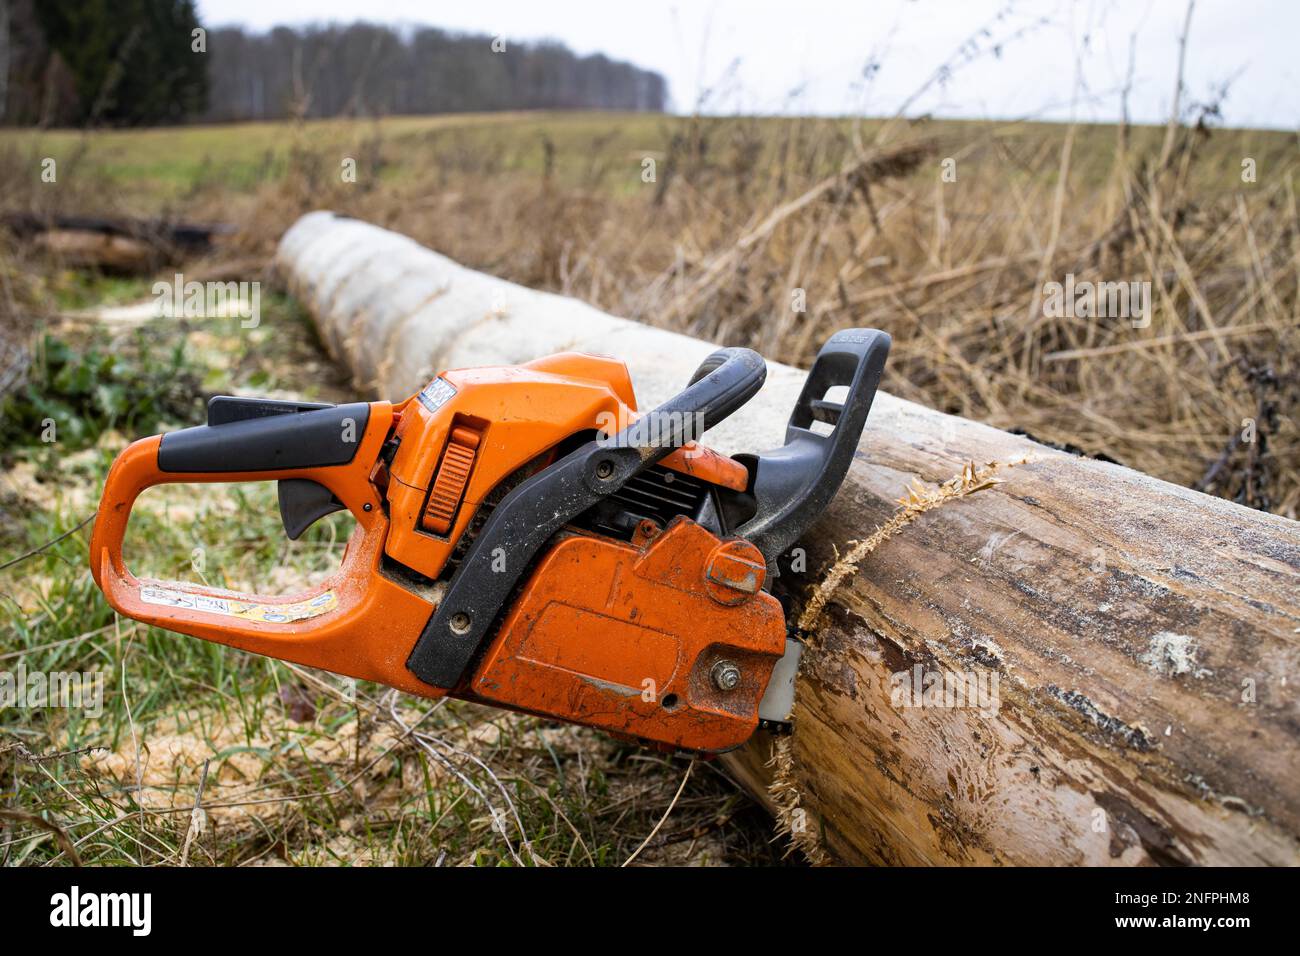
{"points": [[166, 164], [156, 170], [741, 214]]}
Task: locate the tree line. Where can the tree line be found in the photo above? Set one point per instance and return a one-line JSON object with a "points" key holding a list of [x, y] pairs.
{"points": [[367, 69], [139, 62]]}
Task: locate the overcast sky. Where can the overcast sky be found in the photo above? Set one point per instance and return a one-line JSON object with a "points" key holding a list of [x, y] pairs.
{"points": [[808, 56]]}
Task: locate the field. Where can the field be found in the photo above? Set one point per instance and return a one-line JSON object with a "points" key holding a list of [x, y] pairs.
{"points": [[769, 233]]}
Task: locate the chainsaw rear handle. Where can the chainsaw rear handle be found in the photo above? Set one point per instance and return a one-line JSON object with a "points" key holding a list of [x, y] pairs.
{"points": [[263, 435], [793, 484], [529, 515], [328, 448]]}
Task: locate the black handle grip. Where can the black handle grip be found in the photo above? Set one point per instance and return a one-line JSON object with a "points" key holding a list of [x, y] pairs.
{"points": [[530, 514], [257, 435], [724, 382], [793, 484]]}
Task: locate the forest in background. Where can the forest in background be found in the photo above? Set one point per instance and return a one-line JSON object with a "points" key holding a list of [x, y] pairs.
{"points": [[151, 62]]}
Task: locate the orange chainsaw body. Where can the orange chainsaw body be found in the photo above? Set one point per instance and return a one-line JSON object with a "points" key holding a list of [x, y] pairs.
{"points": [[624, 612], [614, 643]]}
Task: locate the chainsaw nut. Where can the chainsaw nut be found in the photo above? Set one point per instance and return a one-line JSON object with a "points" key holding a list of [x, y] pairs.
{"points": [[734, 572], [726, 675]]}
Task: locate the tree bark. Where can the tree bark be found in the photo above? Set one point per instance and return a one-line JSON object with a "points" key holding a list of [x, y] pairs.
{"points": [[1127, 650]]}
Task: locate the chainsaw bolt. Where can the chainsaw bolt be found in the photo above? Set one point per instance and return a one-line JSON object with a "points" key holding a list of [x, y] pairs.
{"points": [[460, 622], [726, 675], [604, 469]]}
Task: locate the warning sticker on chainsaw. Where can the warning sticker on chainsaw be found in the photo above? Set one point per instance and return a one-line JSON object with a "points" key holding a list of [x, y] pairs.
{"points": [[235, 607], [436, 394]]}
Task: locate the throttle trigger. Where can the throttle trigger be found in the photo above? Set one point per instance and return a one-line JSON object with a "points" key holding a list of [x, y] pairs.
{"points": [[302, 503]]}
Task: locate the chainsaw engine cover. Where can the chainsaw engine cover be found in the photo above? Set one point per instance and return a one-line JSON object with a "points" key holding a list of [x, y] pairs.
{"points": [[670, 639]]}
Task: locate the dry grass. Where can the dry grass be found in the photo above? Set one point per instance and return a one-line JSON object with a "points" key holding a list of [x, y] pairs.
{"points": [[955, 272]]}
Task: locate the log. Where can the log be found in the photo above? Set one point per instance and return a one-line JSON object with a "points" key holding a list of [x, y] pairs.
{"points": [[115, 244], [188, 237], [1118, 656]]}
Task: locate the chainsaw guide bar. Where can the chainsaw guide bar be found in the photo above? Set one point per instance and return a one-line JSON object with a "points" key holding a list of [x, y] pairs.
{"points": [[513, 548]]}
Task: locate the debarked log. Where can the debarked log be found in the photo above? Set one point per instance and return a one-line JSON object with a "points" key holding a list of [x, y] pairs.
{"points": [[1034, 658]]}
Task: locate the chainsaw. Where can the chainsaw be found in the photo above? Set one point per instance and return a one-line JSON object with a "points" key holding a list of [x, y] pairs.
{"points": [[526, 539]]}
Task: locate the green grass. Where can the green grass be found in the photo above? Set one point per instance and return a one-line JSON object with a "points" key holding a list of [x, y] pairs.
{"points": [[157, 168], [73, 290], [161, 166], [74, 396]]}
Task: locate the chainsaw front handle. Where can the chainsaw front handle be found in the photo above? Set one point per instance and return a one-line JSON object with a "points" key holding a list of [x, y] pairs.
{"points": [[724, 382], [794, 484], [529, 515], [333, 447]]}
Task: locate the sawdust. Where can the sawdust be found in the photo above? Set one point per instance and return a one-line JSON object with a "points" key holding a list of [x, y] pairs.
{"points": [[284, 579], [345, 849], [791, 818], [39, 487], [247, 778]]}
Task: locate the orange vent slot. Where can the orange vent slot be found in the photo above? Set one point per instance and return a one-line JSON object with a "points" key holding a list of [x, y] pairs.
{"points": [[449, 485]]}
